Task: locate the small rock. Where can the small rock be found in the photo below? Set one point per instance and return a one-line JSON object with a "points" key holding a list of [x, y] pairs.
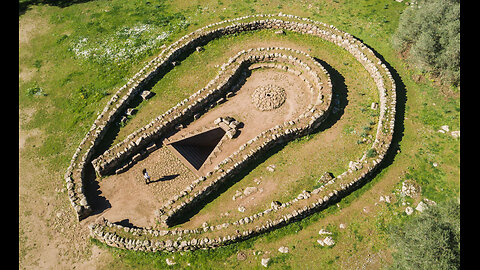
{"points": [[249, 190], [387, 199], [327, 176], [238, 194], [320, 241], [342, 226], [271, 168], [429, 202], [322, 231], [265, 262], [421, 207], [409, 210], [409, 189], [283, 249], [275, 204], [455, 134], [231, 133], [170, 262], [374, 106], [146, 95], [241, 256], [218, 120], [83, 201], [328, 241], [241, 209], [131, 111]]}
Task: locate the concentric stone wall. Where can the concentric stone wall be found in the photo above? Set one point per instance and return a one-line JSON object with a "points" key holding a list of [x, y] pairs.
{"points": [[279, 214]]}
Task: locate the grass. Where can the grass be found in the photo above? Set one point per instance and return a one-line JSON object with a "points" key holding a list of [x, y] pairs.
{"points": [[61, 92]]}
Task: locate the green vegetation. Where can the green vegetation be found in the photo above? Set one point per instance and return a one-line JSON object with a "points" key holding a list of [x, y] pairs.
{"points": [[430, 240], [429, 34], [75, 54]]}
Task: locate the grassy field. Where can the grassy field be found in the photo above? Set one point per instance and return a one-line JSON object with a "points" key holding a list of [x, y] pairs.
{"points": [[72, 57]]}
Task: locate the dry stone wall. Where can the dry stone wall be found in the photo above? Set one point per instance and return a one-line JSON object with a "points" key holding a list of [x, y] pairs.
{"points": [[279, 214], [312, 72]]}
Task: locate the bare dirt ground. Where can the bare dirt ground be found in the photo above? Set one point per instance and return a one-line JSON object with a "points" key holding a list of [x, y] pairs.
{"points": [[131, 200], [50, 237]]}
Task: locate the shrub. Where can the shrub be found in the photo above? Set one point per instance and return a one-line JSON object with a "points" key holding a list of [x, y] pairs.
{"points": [[429, 35], [430, 240]]}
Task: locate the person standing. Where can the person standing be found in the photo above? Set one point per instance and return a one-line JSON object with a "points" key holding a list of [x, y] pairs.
{"points": [[146, 176]]}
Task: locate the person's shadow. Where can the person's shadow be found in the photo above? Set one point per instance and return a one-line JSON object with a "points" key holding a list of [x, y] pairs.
{"points": [[164, 178]]}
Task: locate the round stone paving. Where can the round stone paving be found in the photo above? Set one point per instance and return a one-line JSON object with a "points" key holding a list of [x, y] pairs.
{"points": [[268, 97]]}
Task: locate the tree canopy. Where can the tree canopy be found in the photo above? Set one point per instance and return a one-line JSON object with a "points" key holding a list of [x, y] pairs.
{"points": [[429, 34], [430, 240]]}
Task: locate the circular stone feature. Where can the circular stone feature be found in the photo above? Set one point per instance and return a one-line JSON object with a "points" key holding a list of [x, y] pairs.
{"points": [[268, 97]]}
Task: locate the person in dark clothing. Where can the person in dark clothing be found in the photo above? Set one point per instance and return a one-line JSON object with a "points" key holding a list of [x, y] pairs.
{"points": [[146, 176]]}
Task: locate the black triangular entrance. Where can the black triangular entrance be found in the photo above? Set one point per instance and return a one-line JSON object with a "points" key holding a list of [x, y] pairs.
{"points": [[197, 148]]}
